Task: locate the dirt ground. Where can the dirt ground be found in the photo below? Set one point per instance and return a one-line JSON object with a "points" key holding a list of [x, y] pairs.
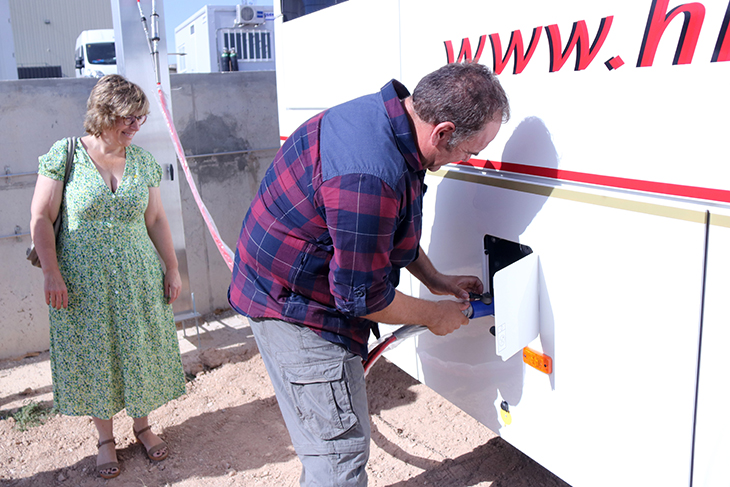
{"points": [[228, 431]]}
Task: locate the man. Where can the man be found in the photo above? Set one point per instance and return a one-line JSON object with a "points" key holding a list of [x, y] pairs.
{"points": [[338, 214]]}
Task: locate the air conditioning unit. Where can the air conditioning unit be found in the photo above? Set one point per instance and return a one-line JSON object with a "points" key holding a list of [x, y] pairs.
{"points": [[248, 15]]}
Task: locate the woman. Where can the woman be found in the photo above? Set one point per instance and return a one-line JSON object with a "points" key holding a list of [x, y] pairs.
{"points": [[113, 339]]}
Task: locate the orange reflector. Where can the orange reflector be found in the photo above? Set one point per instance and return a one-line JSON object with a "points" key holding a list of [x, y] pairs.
{"points": [[538, 360]]}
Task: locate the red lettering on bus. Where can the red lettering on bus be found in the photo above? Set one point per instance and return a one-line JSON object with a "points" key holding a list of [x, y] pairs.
{"points": [[578, 40], [656, 25], [722, 48], [659, 19], [516, 46], [465, 51]]}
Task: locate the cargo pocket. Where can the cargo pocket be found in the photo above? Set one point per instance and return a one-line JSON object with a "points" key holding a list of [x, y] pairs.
{"points": [[321, 398]]}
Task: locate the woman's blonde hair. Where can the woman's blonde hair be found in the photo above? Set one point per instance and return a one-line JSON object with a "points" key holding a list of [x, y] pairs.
{"points": [[112, 98]]}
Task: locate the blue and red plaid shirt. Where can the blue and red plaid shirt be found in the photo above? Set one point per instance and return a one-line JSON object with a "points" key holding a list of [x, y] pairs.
{"points": [[336, 217]]}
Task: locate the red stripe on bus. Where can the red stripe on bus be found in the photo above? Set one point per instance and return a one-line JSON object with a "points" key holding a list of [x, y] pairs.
{"points": [[598, 180], [609, 181]]}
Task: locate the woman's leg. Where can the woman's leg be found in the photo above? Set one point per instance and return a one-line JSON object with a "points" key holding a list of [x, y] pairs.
{"points": [[148, 439], [107, 450]]}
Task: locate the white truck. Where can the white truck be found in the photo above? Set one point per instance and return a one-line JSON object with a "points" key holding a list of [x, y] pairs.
{"points": [[95, 54], [599, 218]]}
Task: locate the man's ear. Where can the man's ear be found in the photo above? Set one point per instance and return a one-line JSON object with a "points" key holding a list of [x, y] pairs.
{"points": [[441, 134]]}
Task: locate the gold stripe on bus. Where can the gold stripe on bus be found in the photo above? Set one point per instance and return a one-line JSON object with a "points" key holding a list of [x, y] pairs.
{"points": [[719, 220], [695, 216]]}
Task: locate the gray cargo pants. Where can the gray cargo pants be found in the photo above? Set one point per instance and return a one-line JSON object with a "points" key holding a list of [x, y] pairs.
{"points": [[320, 388]]}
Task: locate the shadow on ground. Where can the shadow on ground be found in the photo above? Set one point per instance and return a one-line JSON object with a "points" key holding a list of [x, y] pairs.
{"points": [[232, 445]]}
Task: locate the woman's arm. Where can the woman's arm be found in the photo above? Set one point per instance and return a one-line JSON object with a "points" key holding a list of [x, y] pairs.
{"points": [[159, 231], [44, 208]]}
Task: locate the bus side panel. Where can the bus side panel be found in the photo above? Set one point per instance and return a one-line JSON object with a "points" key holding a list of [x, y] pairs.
{"points": [[339, 53], [620, 300], [713, 421], [620, 248], [653, 123]]}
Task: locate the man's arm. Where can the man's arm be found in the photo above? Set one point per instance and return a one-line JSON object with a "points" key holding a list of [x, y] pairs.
{"points": [[441, 317], [362, 217], [441, 284]]}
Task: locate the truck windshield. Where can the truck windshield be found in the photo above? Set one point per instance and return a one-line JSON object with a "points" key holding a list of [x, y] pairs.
{"points": [[101, 53]]}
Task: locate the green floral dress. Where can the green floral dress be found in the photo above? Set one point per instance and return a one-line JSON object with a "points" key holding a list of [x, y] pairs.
{"points": [[115, 346]]}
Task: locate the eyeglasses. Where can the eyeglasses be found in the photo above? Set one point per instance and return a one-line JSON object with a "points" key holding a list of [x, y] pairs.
{"points": [[130, 120]]}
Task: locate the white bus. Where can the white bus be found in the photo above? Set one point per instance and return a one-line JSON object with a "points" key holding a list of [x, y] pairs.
{"points": [[599, 218]]}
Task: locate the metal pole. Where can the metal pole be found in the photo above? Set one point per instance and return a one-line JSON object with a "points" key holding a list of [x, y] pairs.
{"points": [[155, 39], [146, 31], [197, 329]]}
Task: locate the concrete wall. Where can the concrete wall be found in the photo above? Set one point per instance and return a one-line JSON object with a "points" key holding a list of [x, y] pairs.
{"points": [[33, 115], [222, 113], [216, 112]]}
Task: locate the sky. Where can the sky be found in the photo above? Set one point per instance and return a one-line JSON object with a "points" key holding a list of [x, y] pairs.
{"points": [[178, 11]]}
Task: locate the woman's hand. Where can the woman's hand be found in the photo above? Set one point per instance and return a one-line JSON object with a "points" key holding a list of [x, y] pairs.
{"points": [[159, 231], [173, 285], [55, 290]]}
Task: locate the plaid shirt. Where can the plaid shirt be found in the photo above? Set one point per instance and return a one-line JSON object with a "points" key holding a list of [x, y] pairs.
{"points": [[336, 217]]}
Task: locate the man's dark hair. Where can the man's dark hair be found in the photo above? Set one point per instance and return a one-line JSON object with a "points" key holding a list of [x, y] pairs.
{"points": [[466, 94]]}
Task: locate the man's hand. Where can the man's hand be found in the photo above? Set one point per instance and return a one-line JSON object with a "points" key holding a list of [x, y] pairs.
{"points": [[441, 317], [459, 286], [448, 318], [441, 284]]}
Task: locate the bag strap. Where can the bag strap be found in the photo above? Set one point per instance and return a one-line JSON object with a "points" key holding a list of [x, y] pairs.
{"points": [[69, 159], [69, 164]]}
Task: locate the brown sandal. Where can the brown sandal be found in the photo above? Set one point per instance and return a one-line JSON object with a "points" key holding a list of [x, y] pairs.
{"points": [[153, 449], [108, 470]]}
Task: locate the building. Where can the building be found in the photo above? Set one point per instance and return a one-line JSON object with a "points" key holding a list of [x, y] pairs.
{"points": [[205, 41], [8, 67], [45, 32]]}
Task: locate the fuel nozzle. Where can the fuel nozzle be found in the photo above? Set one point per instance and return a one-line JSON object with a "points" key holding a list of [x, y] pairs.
{"points": [[480, 305]]}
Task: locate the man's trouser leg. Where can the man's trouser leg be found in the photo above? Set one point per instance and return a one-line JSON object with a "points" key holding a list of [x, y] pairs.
{"points": [[320, 388]]}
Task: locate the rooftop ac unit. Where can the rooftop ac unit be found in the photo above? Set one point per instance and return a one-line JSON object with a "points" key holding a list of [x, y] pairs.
{"points": [[246, 15]]}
